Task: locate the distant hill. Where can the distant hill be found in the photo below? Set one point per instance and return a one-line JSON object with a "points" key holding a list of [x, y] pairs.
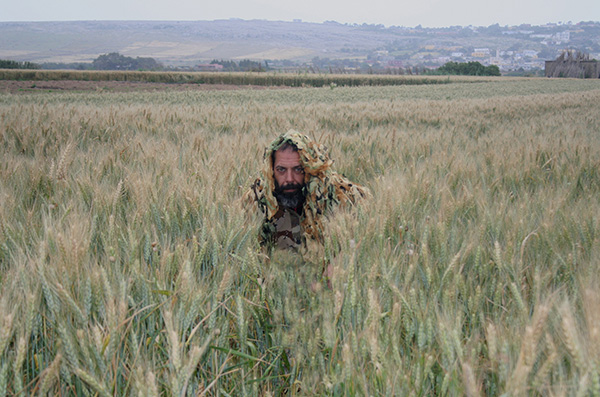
{"points": [[190, 43]]}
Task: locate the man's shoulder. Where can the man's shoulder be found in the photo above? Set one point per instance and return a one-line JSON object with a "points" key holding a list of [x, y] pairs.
{"points": [[347, 191]]}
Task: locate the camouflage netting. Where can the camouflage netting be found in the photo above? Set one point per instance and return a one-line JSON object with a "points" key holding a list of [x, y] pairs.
{"points": [[324, 188]]}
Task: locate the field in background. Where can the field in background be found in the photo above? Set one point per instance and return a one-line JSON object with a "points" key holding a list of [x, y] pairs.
{"points": [[233, 78], [127, 266]]}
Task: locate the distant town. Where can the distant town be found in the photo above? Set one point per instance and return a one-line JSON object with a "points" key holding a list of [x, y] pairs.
{"points": [[518, 49], [508, 59]]}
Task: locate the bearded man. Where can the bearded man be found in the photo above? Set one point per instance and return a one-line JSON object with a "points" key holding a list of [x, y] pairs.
{"points": [[296, 190]]}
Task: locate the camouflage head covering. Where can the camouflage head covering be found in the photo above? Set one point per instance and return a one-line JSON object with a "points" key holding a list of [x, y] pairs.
{"points": [[324, 188]]}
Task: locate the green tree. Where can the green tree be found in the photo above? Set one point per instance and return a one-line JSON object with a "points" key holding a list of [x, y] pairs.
{"points": [[492, 70], [8, 64], [468, 69], [116, 61]]}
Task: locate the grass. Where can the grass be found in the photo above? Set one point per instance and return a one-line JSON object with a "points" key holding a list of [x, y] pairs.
{"points": [[127, 265]]}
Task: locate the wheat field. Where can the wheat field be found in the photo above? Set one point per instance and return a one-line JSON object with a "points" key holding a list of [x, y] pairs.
{"points": [[127, 266]]}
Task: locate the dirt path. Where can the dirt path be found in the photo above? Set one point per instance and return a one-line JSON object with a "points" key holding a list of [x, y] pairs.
{"points": [[16, 87]]}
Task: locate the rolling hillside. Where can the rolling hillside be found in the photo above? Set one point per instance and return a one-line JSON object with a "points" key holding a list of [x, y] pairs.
{"points": [[189, 43]]}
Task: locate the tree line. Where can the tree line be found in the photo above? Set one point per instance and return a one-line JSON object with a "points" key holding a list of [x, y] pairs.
{"points": [[116, 61], [244, 65], [466, 69], [111, 61], [8, 64]]}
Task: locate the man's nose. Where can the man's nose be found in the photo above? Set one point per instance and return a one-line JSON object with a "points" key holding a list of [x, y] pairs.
{"points": [[288, 176]]}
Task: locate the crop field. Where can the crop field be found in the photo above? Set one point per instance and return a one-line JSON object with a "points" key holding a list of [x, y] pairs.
{"points": [[128, 266], [240, 78]]}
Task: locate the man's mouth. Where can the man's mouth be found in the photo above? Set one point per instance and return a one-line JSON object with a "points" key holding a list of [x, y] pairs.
{"points": [[290, 195], [289, 189]]}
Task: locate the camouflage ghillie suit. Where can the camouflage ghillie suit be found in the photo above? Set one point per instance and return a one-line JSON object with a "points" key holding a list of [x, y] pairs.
{"points": [[324, 189]]}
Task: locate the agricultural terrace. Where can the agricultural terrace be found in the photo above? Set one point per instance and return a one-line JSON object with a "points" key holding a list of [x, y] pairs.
{"points": [[128, 267]]}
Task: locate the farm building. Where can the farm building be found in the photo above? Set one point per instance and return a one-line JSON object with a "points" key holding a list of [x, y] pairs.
{"points": [[576, 65]]}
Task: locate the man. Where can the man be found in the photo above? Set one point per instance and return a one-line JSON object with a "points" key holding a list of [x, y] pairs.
{"points": [[296, 189]]}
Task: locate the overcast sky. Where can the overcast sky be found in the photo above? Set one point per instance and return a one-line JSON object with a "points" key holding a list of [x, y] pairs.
{"points": [[428, 13]]}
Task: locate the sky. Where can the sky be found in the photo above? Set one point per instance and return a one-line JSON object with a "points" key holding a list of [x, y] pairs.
{"points": [[410, 13]]}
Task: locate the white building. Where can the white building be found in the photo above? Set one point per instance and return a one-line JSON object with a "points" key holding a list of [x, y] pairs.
{"points": [[530, 53], [563, 37]]}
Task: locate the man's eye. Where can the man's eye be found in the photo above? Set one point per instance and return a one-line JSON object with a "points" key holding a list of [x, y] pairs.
{"points": [[281, 170], [299, 170]]}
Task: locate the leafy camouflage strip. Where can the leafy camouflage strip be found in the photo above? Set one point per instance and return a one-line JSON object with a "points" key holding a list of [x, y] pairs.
{"points": [[324, 188]]}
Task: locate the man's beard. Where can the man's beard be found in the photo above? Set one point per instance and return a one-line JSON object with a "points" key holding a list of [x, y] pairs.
{"points": [[290, 199]]}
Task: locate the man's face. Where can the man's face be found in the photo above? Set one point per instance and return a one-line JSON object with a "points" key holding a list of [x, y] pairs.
{"points": [[288, 171]]}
